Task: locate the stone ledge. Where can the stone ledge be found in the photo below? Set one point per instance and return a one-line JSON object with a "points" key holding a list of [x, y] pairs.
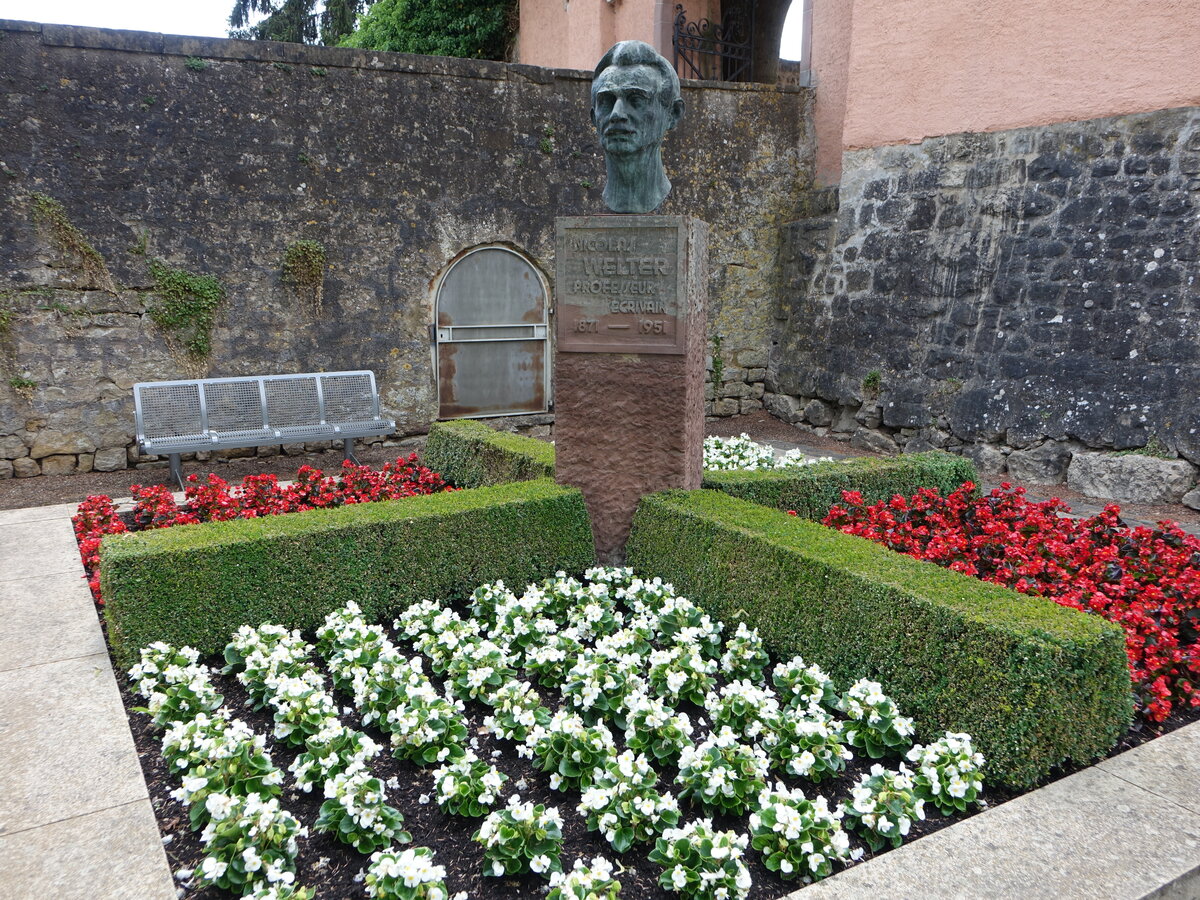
{"points": [[1125, 812], [85, 37], [19, 25]]}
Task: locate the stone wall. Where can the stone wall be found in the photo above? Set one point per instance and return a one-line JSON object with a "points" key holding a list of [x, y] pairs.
{"points": [[214, 156], [1019, 296]]}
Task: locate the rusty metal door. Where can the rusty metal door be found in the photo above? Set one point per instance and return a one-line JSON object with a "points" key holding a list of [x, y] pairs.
{"points": [[492, 336]]}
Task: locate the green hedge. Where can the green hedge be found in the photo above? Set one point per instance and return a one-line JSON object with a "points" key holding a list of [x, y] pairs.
{"points": [[470, 454], [1035, 683], [195, 584], [811, 490]]}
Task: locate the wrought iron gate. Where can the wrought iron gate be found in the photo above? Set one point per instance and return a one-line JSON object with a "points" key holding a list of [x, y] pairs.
{"points": [[492, 336], [715, 51]]}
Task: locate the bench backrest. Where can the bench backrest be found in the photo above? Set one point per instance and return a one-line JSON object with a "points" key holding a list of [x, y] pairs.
{"points": [[230, 406]]}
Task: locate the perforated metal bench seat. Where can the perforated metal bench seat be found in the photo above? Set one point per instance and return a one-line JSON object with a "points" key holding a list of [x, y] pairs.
{"points": [[174, 417]]}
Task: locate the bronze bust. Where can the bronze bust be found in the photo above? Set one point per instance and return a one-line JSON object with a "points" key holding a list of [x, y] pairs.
{"points": [[635, 101]]}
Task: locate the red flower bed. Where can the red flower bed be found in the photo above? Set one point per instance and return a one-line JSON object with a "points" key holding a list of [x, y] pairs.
{"points": [[214, 500], [1145, 580]]}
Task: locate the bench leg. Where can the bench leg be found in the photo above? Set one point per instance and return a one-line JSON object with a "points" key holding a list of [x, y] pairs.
{"points": [[348, 450], [176, 469]]}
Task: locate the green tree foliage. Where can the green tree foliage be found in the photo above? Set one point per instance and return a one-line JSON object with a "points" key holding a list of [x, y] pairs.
{"points": [[295, 21], [478, 29]]}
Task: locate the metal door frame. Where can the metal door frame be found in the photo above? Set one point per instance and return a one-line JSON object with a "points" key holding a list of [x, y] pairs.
{"points": [[547, 335]]}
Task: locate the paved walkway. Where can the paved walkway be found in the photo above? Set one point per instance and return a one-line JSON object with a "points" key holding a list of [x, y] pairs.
{"points": [[75, 814], [76, 820]]}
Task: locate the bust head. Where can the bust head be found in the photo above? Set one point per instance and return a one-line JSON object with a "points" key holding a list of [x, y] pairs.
{"points": [[635, 101]]}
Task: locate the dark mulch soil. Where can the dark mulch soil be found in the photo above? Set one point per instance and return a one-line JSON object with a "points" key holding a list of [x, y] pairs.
{"points": [[331, 867]]}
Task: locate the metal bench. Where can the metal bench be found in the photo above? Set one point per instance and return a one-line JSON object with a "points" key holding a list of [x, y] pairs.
{"points": [[174, 417]]}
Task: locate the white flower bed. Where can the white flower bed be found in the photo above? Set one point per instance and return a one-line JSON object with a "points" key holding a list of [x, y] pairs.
{"points": [[622, 655], [726, 453]]}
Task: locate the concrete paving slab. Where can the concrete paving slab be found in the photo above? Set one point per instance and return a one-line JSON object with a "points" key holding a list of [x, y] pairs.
{"points": [[46, 547], [114, 854], [65, 744], [37, 513], [47, 619], [1168, 766], [1091, 835]]}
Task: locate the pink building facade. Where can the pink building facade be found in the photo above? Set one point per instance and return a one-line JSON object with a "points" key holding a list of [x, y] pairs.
{"points": [[900, 71], [574, 34]]}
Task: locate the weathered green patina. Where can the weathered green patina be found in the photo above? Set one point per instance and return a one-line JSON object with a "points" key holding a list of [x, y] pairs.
{"points": [[635, 101]]}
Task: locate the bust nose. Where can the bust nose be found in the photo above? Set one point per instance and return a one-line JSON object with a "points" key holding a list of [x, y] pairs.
{"points": [[620, 110]]}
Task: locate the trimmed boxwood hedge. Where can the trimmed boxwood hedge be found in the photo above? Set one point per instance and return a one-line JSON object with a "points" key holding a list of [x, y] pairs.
{"points": [[195, 584], [811, 490], [1035, 683], [469, 454]]}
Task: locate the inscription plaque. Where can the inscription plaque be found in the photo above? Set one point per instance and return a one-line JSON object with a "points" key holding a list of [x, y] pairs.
{"points": [[617, 284]]}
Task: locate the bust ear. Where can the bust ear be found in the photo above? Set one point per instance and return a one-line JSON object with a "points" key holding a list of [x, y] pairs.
{"points": [[676, 113]]}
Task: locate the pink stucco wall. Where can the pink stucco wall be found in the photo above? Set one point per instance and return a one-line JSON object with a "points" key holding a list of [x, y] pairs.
{"points": [[832, 26], [905, 70], [576, 33]]}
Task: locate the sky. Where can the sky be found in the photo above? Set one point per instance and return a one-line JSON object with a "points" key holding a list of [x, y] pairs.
{"points": [[208, 18]]}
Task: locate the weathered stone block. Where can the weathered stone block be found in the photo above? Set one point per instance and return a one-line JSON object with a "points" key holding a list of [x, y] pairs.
{"points": [[749, 405], [6, 469], [109, 459], [51, 442], [293, 449], [1191, 499], [735, 389], [59, 465], [1043, 464], [818, 413], [85, 461], [1133, 478], [843, 421], [756, 374], [918, 445], [784, 406], [26, 467], [875, 441], [987, 458], [752, 359], [725, 407], [268, 450], [12, 447], [870, 414]]}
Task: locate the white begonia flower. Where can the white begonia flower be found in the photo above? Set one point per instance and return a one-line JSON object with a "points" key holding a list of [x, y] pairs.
{"points": [[212, 868]]}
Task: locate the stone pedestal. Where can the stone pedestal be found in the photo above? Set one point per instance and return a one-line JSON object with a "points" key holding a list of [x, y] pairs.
{"points": [[629, 363]]}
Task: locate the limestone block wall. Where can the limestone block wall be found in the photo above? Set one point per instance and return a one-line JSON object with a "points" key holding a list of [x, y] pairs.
{"points": [[214, 156], [1020, 295]]}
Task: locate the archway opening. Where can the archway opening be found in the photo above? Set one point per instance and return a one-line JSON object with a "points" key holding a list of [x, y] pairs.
{"points": [[492, 336]]}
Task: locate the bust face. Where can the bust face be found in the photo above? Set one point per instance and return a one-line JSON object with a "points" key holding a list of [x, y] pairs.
{"points": [[626, 108]]}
